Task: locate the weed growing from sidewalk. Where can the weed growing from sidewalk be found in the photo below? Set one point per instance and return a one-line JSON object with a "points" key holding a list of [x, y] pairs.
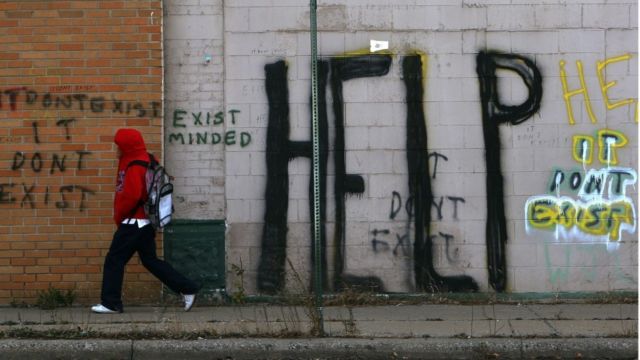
{"points": [[239, 296], [54, 298], [308, 302]]}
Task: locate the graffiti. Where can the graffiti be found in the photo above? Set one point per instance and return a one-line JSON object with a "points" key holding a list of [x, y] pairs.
{"points": [[344, 69], [280, 150], [602, 209], [57, 164], [583, 91], [608, 142], [201, 119], [608, 218], [493, 114], [36, 162], [63, 202], [375, 242], [96, 104], [66, 196]]}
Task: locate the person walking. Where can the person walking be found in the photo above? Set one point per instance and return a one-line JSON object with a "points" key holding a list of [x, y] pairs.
{"points": [[135, 232]]}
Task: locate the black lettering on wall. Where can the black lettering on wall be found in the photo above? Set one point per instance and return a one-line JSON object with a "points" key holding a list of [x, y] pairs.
{"points": [[427, 279], [343, 69], [280, 150], [493, 114], [274, 236]]}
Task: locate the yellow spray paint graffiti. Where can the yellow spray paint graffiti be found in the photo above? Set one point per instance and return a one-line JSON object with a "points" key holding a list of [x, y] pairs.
{"points": [[608, 143], [605, 87], [599, 218]]}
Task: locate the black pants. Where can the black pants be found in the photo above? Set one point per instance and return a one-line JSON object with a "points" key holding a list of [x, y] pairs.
{"points": [[126, 241]]}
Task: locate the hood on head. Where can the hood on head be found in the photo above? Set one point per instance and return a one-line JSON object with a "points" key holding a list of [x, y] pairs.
{"points": [[130, 141]]}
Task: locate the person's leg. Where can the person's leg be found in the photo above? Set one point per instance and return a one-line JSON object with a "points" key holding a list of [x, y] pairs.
{"points": [[120, 252], [161, 269]]}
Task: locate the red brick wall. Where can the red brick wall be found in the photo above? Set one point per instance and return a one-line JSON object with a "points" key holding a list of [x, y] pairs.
{"points": [[71, 73]]}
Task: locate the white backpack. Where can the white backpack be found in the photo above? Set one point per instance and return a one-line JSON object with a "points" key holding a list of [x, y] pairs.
{"points": [[159, 205]]}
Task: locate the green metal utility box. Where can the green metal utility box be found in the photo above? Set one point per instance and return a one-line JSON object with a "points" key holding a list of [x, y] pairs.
{"points": [[196, 249]]}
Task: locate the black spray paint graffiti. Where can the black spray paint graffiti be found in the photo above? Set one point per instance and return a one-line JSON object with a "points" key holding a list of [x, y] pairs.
{"points": [[280, 150], [52, 164], [493, 114], [82, 102]]}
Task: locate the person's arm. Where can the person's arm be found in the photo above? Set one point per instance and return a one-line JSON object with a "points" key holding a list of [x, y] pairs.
{"points": [[132, 195]]}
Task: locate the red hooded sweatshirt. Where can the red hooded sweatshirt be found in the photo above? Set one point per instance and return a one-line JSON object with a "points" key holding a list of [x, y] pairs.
{"points": [[131, 191]]}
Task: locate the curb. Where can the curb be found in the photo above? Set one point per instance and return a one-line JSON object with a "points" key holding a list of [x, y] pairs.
{"points": [[326, 348]]}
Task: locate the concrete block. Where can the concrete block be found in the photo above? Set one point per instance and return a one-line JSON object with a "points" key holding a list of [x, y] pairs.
{"points": [[399, 162], [473, 41], [383, 185], [531, 280], [460, 113], [236, 68], [193, 27], [245, 91], [633, 14], [385, 90], [412, 17], [601, 16], [356, 138], [329, 44], [475, 208], [510, 17], [473, 137], [390, 137], [531, 183], [452, 66], [446, 137], [372, 17], [299, 186], [266, 44], [369, 114], [238, 163], [236, 19], [331, 18], [498, 40], [446, 183], [355, 90], [462, 18], [581, 41], [518, 160], [558, 16], [243, 187], [289, 18], [485, 3], [534, 42], [238, 211]]}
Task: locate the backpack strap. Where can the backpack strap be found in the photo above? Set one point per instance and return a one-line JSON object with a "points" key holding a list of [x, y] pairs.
{"points": [[138, 162], [144, 164]]}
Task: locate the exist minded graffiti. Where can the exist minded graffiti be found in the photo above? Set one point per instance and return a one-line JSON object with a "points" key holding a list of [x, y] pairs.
{"points": [[202, 121], [280, 150]]}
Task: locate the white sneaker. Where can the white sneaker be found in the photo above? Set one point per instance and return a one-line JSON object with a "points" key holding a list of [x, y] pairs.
{"points": [[101, 309], [188, 301]]}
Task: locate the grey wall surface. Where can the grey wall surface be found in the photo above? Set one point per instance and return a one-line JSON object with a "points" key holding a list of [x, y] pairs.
{"points": [[569, 168]]}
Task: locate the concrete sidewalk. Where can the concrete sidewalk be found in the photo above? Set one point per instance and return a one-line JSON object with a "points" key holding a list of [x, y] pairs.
{"points": [[367, 332]]}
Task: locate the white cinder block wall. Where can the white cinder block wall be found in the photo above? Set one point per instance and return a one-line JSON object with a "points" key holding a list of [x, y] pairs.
{"points": [[217, 120]]}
